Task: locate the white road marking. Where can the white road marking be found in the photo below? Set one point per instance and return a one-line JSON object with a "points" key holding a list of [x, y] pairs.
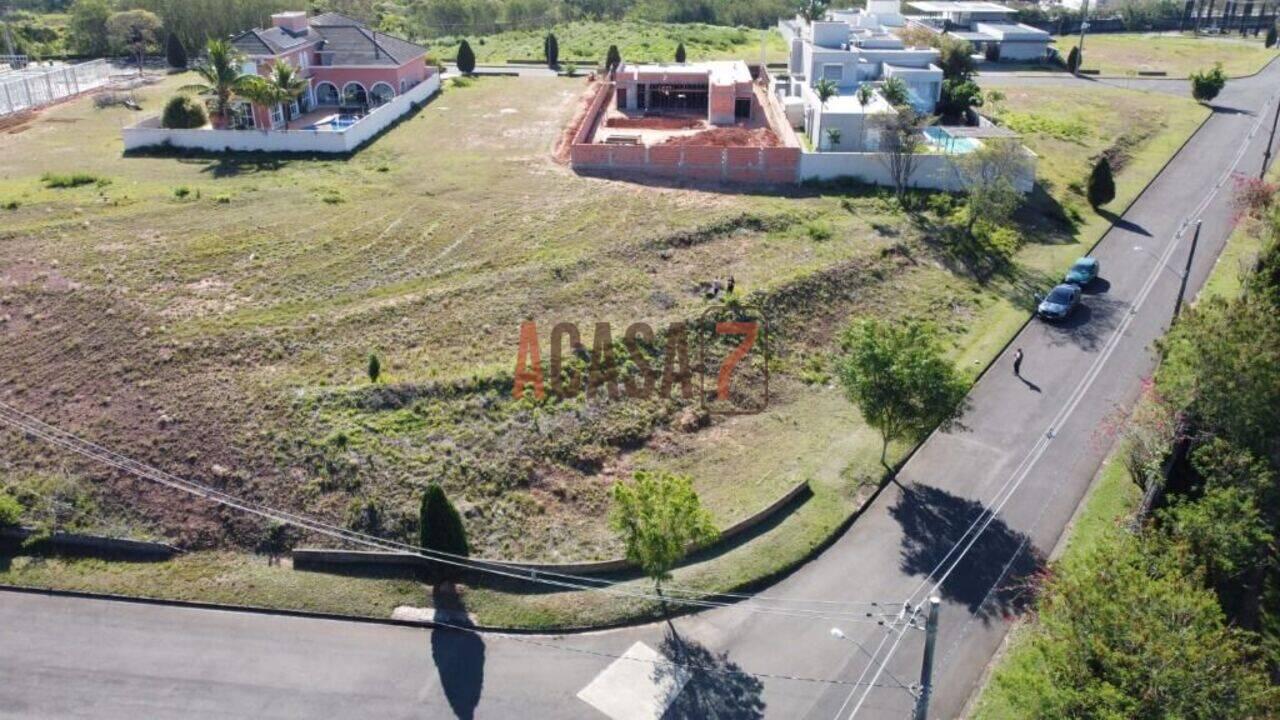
{"points": [[640, 685]]}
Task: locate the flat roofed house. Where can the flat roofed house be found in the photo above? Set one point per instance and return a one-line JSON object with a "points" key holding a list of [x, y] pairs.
{"points": [[349, 68], [988, 26], [721, 91]]}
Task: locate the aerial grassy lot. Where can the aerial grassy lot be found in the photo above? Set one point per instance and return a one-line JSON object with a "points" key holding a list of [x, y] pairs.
{"points": [[1176, 55], [586, 43], [214, 317]]}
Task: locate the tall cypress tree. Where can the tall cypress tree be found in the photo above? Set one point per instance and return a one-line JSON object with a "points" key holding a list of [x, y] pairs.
{"points": [[175, 52], [680, 55], [551, 48], [439, 524], [466, 58], [612, 59], [1073, 60], [1102, 184]]}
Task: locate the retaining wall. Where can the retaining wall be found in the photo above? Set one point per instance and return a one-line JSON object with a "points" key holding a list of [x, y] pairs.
{"points": [[93, 544], [149, 134], [318, 558]]}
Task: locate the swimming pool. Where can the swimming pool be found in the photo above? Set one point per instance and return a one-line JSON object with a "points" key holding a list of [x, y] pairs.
{"points": [[336, 123], [947, 143]]}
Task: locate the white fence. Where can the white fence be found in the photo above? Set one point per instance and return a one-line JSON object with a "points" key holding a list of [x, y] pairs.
{"points": [[932, 171], [149, 134], [35, 87]]}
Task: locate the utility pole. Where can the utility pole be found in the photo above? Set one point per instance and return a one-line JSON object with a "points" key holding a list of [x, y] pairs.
{"points": [[1084, 24], [1182, 289], [926, 665], [1266, 157]]}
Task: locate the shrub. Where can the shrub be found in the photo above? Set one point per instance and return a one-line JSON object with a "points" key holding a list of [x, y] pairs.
{"points": [[440, 526], [375, 368], [10, 205], [183, 112], [1073, 60], [460, 82], [181, 192], [1206, 84], [1271, 36], [571, 69], [466, 58], [1102, 185], [10, 510], [72, 180], [818, 232]]}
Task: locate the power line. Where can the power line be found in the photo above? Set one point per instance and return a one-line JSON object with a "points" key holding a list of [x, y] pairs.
{"points": [[17, 419]]}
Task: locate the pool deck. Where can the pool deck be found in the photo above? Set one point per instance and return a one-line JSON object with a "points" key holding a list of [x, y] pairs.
{"points": [[314, 117]]}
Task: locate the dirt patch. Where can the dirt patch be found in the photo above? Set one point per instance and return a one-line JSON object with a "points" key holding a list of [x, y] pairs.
{"points": [[729, 137], [655, 122]]}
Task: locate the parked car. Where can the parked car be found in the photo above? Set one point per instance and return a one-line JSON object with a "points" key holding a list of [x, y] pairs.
{"points": [[1083, 271], [1060, 303]]}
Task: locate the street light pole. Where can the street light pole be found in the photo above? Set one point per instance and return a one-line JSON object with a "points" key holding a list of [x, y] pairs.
{"points": [[1084, 24], [926, 665], [1182, 288]]}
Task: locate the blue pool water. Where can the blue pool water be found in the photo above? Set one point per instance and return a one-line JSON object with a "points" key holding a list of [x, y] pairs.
{"points": [[337, 123], [941, 139]]}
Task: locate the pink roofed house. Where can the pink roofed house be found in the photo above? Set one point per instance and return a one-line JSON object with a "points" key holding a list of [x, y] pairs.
{"points": [[350, 69]]}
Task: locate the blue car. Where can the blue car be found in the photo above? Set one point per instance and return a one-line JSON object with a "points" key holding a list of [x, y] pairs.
{"points": [[1060, 303], [1083, 271]]}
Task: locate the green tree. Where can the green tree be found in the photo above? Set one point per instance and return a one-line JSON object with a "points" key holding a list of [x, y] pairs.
{"points": [[957, 97], [680, 54], [87, 28], [1222, 365], [1271, 37], [814, 10], [136, 31], [219, 70], [833, 137], [1224, 531], [466, 58], [956, 59], [612, 59], [10, 510], [551, 50], [991, 174], [440, 527], [900, 379], [1102, 184], [1073, 60], [993, 99], [1206, 84], [375, 368], [175, 54], [659, 517], [894, 91], [901, 144], [1125, 632]]}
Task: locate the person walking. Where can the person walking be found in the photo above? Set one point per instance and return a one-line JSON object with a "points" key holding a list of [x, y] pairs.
{"points": [[1017, 362]]}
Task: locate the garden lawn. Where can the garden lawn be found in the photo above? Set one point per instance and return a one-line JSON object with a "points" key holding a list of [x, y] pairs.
{"points": [[586, 43], [214, 317], [1176, 55]]}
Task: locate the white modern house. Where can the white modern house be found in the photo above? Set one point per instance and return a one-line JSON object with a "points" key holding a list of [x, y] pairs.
{"points": [[988, 26], [854, 48]]}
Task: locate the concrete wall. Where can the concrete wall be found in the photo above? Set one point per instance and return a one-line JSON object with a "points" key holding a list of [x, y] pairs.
{"points": [[93, 545], [691, 162], [149, 134], [317, 558], [933, 171]]}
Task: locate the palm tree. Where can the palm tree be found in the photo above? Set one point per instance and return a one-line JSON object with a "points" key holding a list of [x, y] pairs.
{"points": [[260, 91], [288, 83], [864, 95], [895, 91], [826, 89], [220, 70]]}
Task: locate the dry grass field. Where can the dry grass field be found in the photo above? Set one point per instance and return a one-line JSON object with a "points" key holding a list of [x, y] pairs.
{"points": [[214, 316], [1176, 55]]}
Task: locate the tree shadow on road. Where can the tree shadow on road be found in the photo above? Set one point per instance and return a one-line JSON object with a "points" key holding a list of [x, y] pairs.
{"points": [[1090, 325], [716, 687], [995, 578], [457, 652]]}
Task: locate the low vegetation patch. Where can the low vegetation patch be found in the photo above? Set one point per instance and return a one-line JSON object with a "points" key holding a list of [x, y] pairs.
{"points": [[73, 180]]}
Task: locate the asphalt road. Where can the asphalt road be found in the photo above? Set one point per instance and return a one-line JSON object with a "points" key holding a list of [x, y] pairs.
{"points": [[1029, 446]]}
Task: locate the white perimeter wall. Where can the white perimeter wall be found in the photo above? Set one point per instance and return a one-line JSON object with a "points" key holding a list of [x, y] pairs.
{"points": [[148, 133], [932, 172]]}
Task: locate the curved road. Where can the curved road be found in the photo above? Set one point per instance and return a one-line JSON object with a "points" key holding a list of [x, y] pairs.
{"points": [[1028, 446]]}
